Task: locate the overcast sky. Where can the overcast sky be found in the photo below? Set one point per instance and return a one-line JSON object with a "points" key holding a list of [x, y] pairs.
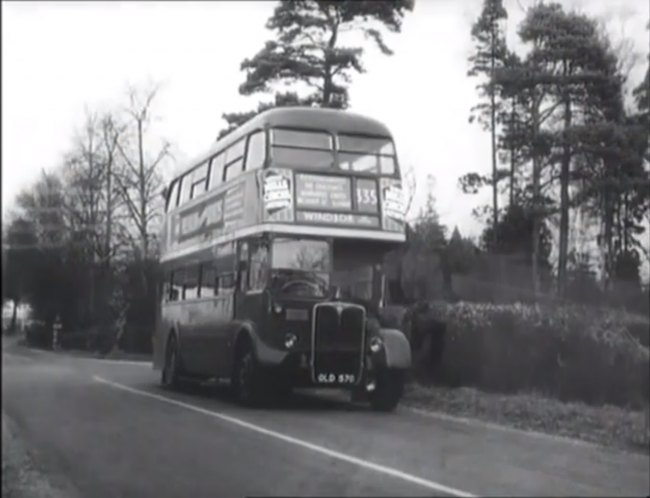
{"points": [[58, 57]]}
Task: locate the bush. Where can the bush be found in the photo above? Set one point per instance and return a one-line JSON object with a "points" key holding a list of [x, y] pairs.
{"points": [[38, 335], [568, 352]]}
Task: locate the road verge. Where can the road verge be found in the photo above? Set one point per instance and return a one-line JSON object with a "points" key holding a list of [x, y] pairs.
{"points": [[20, 476]]}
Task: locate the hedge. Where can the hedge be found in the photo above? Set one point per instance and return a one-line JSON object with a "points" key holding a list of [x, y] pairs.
{"points": [[568, 352]]}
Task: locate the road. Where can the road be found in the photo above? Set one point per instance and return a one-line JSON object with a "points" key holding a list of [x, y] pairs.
{"points": [[105, 429]]}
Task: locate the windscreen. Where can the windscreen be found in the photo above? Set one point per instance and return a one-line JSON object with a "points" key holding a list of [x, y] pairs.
{"points": [[300, 267]]}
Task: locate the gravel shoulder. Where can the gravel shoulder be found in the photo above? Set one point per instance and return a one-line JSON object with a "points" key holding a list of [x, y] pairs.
{"points": [[20, 476]]}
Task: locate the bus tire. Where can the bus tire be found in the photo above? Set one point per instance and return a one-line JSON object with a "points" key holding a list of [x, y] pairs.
{"points": [[170, 377], [247, 381], [388, 391]]}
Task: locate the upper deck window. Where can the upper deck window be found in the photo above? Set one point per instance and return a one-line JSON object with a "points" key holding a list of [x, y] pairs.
{"points": [[256, 152], [216, 170], [234, 160], [199, 176], [302, 138], [366, 154], [172, 198], [302, 148]]}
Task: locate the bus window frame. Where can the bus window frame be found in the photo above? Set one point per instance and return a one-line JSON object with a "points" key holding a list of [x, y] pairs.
{"points": [[176, 277], [174, 191], [265, 134], [197, 182], [191, 271], [228, 163], [332, 137], [253, 246], [215, 178], [332, 150], [379, 174]]}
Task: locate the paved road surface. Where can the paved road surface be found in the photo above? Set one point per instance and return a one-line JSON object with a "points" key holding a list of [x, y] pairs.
{"points": [[106, 429]]}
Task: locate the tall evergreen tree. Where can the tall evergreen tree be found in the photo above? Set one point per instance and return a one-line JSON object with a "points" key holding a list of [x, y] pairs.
{"points": [[307, 51], [490, 53]]}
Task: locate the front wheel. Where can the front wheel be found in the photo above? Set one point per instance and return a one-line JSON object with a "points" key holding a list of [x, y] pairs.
{"points": [[247, 382], [388, 390]]}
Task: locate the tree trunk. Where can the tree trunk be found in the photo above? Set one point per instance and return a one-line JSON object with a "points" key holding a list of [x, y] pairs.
{"points": [[512, 152], [14, 316], [609, 222], [536, 191], [564, 200], [327, 76], [109, 211], [493, 112], [142, 193]]}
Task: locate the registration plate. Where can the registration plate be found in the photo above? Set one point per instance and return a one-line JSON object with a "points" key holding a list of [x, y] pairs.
{"points": [[331, 378]]}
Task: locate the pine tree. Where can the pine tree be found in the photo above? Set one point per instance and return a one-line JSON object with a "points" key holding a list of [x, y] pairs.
{"points": [[490, 54], [307, 51]]}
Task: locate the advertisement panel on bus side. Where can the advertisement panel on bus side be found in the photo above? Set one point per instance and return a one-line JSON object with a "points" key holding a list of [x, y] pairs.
{"points": [[222, 212]]}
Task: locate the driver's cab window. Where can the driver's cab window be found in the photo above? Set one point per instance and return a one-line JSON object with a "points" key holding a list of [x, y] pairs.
{"points": [[355, 283], [258, 267]]}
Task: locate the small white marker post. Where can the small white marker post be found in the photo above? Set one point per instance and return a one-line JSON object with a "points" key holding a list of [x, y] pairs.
{"points": [[55, 336]]}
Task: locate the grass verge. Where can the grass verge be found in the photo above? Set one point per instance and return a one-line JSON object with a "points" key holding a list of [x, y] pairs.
{"points": [[20, 477], [609, 426]]}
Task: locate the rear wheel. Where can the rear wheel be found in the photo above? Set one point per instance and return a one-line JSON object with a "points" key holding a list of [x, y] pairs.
{"points": [[171, 370], [388, 390], [247, 382]]}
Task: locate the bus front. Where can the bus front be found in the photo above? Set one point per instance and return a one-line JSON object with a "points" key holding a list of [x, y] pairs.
{"points": [[334, 202]]}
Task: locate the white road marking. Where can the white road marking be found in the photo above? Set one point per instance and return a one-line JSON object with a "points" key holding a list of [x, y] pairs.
{"points": [[382, 469], [145, 363], [124, 362]]}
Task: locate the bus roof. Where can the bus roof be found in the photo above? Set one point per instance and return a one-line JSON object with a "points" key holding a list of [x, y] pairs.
{"points": [[332, 120]]}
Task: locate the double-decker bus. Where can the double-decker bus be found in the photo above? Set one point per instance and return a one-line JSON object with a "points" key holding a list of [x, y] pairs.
{"points": [[272, 249]]}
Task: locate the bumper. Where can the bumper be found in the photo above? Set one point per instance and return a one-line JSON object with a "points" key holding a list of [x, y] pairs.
{"points": [[295, 369]]}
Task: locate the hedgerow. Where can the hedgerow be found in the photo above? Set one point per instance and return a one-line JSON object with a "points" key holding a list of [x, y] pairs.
{"points": [[570, 352]]}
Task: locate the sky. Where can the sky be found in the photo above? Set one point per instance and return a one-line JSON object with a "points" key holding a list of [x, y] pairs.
{"points": [[60, 57]]}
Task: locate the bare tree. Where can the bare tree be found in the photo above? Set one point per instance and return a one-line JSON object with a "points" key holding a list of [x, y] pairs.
{"points": [[110, 136], [409, 187], [139, 180]]}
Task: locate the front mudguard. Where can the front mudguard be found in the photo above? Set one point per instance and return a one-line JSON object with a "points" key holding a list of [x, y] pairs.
{"points": [[396, 351], [264, 354]]}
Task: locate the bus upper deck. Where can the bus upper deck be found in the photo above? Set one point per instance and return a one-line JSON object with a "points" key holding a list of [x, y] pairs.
{"points": [[298, 171]]}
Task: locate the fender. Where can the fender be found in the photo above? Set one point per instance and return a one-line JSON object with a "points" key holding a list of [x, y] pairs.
{"points": [[397, 350], [264, 354]]}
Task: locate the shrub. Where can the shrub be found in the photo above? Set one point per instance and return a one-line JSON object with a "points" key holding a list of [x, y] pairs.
{"points": [[569, 352]]}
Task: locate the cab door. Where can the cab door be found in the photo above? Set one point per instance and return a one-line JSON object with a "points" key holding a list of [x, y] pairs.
{"points": [[252, 301]]}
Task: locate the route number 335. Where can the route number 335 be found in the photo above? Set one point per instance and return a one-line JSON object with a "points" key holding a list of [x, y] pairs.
{"points": [[366, 196]]}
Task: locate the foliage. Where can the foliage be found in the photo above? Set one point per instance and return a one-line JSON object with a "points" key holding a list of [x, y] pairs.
{"points": [[514, 235], [565, 130], [461, 254], [308, 51], [567, 352], [82, 229], [490, 53]]}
